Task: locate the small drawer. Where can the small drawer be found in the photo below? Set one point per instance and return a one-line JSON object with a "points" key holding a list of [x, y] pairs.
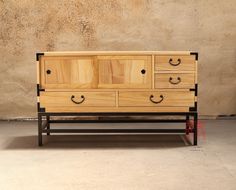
{"points": [[175, 62], [157, 98], [174, 80], [77, 99]]}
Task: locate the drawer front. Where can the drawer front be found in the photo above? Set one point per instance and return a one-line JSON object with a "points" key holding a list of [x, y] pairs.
{"points": [[157, 98], [174, 80], [175, 62], [77, 99]]}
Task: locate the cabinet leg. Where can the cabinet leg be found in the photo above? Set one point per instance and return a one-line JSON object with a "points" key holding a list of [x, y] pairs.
{"points": [[187, 124], [195, 128], [40, 137], [48, 124]]}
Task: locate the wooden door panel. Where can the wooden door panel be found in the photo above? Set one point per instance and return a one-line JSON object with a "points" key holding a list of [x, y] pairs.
{"points": [[68, 72], [124, 71]]}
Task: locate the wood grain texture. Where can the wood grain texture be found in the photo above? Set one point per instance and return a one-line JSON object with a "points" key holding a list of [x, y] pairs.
{"points": [[187, 63], [68, 72], [63, 99], [174, 80], [124, 71], [177, 98], [116, 109]]}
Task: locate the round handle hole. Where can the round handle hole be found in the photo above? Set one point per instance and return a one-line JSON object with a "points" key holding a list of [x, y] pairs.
{"points": [[143, 71], [48, 71]]}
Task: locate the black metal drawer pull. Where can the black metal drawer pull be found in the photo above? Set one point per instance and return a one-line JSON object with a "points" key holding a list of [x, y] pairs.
{"points": [[72, 99], [174, 64], [173, 82], [156, 102]]}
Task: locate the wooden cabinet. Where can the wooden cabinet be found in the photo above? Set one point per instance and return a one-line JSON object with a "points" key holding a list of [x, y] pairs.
{"points": [[117, 82], [114, 80]]}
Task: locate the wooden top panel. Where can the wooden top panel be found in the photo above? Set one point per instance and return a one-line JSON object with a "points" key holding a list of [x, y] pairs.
{"points": [[75, 53]]}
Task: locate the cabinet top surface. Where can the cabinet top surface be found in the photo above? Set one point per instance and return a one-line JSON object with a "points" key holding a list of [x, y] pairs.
{"points": [[72, 53]]}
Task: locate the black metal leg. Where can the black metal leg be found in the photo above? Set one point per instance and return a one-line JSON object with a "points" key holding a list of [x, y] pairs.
{"points": [[48, 123], [40, 137], [187, 124], [195, 128]]}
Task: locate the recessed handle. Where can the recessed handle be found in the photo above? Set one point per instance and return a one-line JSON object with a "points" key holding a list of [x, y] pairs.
{"points": [[156, 102], [174, 64], [143, 71], [174, 82], [77, 102], [48, 72]]}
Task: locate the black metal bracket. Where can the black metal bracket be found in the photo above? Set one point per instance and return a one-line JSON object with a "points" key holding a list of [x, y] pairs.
{"points": [[39, 89], [39, 108], [196, 55], [193, 108], [38, 56], [195, 89]]}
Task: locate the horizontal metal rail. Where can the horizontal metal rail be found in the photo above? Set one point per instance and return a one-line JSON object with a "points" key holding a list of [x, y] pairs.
{"points": [[114, 131], [120, 121]]}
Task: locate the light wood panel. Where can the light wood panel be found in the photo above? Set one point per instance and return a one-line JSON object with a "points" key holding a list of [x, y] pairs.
{"points": [[124, 71], [63, 99], [177, 98], [175, 63], [174, 80], [68, 72], [76, 53], [116, 109]]}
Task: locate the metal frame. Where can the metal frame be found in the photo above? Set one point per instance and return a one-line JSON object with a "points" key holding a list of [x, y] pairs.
{"points": [[44, 122]]}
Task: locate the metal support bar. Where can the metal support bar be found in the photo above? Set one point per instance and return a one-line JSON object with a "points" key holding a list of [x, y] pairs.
{"points": [[40, 138], [48, 123], [44, 127], [119, 121], [115, 130], [195, 128]]}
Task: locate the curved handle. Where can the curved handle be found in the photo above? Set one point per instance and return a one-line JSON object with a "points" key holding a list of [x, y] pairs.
{"points": [[174, 64], [72, 99], [156, 102], [177, 82]]}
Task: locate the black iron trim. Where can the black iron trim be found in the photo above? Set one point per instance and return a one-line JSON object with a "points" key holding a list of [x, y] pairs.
{"points": [[196, 55], [40, 109], [193, 108], [38, 90], [114, 131], [195, 89], [38, 56]]}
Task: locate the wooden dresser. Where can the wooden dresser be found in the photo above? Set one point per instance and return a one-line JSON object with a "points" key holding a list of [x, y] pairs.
{"points": [[121, 83]]}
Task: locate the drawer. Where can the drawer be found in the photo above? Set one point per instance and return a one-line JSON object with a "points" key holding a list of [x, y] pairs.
{"points": [[175, 62], [157, 98], [77, 99], [174, 80]]}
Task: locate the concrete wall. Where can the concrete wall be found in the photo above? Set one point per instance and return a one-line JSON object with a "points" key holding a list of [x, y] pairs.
{"points": [[28, 26]]}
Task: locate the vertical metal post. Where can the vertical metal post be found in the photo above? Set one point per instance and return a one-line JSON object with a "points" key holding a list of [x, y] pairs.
{"points": [[48, 123], [40, 137], [187, 124], [195, 128]]}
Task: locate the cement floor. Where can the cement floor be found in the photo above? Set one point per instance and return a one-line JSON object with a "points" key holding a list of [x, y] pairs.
{"points": [[142, 162]]}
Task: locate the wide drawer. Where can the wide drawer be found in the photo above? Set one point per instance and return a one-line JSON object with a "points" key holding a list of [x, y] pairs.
{"points": [[77, 99], [175, 62], [157, 98], [174, 80]]}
